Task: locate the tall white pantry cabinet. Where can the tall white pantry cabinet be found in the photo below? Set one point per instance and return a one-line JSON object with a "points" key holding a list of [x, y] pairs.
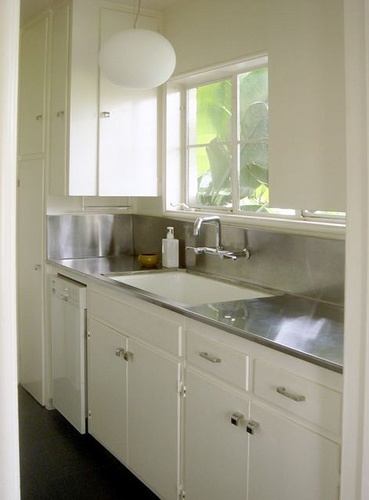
{"points": [[32, 158]]}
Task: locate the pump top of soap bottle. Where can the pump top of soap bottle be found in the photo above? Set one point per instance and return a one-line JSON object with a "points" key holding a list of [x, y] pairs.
{"points": [[170, 233]]}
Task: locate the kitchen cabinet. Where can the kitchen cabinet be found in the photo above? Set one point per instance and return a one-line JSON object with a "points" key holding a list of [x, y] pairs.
{"points": [[128, 130], [216, 452], [30, 264], [74, 99], [297, 462], [103, 139], [254, 427], [134, 387], [33, 82], [32, 140], [196, 412], [107, 381]]}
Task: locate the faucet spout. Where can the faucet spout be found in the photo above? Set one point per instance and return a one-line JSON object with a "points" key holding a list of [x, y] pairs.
{"points": [[211, 218]]}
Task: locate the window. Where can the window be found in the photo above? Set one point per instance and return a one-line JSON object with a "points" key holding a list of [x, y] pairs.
{"points": [[227, 142], [217, 143]]}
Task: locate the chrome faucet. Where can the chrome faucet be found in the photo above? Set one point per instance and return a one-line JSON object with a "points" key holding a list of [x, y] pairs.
{"points": [[218, 234], [218, 250]]}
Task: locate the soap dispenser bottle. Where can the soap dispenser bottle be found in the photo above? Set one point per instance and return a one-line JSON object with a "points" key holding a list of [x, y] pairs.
{"points": [[169, 249]]}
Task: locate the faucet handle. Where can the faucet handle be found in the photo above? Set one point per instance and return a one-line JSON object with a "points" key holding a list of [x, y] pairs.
{"points": [[245, 253], [197, 250]]}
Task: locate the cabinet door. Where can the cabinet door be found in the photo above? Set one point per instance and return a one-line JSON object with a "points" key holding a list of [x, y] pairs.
{"points": [[32, 86], [107, 381], [59, 113], [288, 461], [30, 234], [153, 418], [128, 126], [215, 450], [74, 99]]}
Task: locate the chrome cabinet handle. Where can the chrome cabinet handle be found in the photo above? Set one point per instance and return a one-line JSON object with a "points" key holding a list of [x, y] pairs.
{"points": [[128, 355], [252, 426], [120, 352], [105, 114], [209, 357], [295, 397], [236, 418]]}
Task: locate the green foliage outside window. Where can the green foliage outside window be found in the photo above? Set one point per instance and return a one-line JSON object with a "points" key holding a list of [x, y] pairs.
{"points": [[228, 136]]}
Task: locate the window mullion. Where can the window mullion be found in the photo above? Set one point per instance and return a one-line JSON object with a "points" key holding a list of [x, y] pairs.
{"points": [[185, 149], [235, 141]]}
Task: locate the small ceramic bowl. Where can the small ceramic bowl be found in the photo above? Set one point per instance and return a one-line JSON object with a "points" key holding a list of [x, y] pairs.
{"points": [[148, 259]]}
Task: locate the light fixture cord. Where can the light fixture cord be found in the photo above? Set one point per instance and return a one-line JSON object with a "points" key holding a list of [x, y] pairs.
{"points": [[137, 14]]}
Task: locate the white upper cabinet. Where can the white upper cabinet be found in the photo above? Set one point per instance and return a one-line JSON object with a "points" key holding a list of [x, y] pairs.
{"points": [[103, 139], [128, 131], [33, 86], [307, 104], [74, 95]]}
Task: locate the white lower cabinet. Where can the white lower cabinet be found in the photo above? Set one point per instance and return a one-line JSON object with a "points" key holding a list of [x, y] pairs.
{"points": [[216, 451], [289, 462], [255, 424], [134, 390], [107, 394], [256, 431]]}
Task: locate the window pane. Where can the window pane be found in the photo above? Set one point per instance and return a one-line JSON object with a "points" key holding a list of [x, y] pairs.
{"points": [[209, 156], [253, 121], [209, 175], [209, 112]]}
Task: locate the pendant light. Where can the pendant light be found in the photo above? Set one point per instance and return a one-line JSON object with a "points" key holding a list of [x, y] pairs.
{"points": [[137, 58]]}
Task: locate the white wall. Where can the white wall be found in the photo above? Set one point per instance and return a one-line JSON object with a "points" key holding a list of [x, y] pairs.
{"points": [[9, 465], [207, 32]]}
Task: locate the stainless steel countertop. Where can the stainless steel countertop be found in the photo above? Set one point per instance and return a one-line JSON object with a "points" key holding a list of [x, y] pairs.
{"points": [[305, 328]]}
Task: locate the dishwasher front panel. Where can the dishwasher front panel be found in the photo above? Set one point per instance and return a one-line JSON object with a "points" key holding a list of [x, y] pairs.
{"points": [[68, 347]]}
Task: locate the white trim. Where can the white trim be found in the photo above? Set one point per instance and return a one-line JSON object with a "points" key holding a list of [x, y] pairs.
{"points": [[355, 439], [9, 461]]}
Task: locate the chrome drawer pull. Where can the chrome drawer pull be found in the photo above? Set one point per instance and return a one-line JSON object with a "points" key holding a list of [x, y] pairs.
{"points": [[295, 397], [209, 357]]}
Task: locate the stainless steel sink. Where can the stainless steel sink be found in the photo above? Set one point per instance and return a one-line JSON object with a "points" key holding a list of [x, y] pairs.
{"points": [[186, 288]]}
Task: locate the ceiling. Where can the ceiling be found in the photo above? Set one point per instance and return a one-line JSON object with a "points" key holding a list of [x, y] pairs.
{"points": [[32, 7]]}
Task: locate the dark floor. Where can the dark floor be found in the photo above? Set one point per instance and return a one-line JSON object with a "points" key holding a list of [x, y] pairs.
{"points": [[58, 463]]}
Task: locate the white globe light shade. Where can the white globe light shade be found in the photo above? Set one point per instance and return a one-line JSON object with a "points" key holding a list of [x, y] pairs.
{"points": [[137, 59]]}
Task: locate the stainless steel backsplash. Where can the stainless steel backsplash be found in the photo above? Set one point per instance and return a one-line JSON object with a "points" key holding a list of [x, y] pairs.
{"points": [[71, 236], [303, 265]]}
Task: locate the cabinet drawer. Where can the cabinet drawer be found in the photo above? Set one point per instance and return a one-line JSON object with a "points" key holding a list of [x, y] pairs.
{"points": [[304, 398], [218, 360], [137, 322]]}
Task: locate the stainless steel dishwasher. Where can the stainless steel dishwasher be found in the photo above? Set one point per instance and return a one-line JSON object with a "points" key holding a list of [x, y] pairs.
{"points": [[68, 347]]}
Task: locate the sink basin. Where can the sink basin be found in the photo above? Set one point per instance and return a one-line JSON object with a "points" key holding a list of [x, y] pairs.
{"points": [[188, 288]]}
